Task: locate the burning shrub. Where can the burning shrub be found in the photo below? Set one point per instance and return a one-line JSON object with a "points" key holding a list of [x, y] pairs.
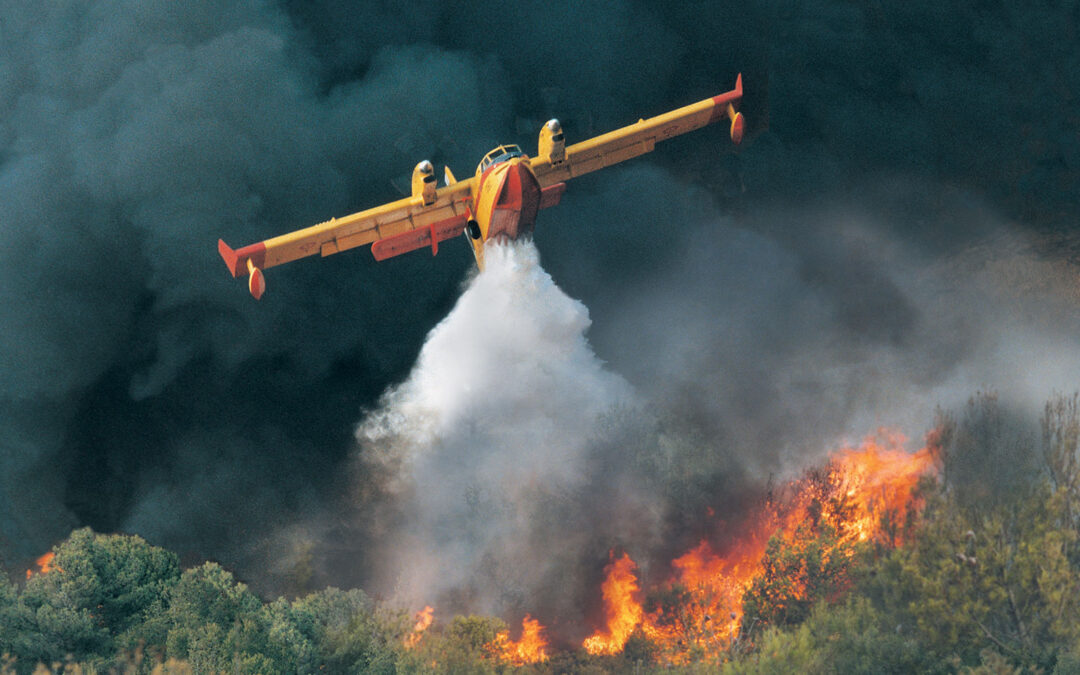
{"points": [[796, 573], [796, 549], [464, 645]]}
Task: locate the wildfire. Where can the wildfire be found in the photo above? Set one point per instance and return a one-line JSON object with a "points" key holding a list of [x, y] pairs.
{"points": [[423, 621], [44, 565], [858, 497], [531, 648], [621, 607], [698, 611]]}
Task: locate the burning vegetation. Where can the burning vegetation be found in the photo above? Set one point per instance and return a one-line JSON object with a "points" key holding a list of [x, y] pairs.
{"points": [[930, 561], [797, 548], [44, 565], [423, 621], [531, 647]]}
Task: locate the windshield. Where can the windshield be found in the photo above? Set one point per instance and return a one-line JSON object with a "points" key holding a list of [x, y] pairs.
{"points": [[499, 154]]}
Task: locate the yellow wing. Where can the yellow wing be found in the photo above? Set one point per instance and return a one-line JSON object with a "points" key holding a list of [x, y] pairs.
{"points": [[636, 139], [392, 229], [432, 215]]}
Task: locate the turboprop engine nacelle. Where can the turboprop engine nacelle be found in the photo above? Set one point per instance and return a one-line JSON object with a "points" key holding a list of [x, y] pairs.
{"points": [[423, 182], [552, 143]]}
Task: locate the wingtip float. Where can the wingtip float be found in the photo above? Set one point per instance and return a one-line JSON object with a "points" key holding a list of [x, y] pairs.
{"points": [[500, 201]]}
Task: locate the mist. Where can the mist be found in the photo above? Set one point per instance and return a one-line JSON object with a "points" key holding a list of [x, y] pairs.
{"points": [[487, 438]]}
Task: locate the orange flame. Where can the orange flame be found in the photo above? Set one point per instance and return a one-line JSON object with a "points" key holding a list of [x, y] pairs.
{"points": [[858, 494], [44, 565], [621, 607], [531, 648], [423, 621]]}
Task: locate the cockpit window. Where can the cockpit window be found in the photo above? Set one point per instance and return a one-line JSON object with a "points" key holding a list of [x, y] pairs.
{"points": [[499, 154]]}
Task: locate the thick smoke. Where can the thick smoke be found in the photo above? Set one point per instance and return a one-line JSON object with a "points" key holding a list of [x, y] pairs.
{"points": [[894, 234], [781, 352], [510, 461], [135, 374]]}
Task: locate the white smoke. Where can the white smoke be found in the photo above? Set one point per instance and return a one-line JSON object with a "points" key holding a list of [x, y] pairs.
{"points": [[492, 427], [512, 459]]}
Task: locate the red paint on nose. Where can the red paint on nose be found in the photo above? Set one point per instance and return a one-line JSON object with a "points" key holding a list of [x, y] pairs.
{"points": [[519, 200]]}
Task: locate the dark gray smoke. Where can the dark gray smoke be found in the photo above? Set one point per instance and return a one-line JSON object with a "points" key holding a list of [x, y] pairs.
{"points": [[142, 390], [893, 235]]}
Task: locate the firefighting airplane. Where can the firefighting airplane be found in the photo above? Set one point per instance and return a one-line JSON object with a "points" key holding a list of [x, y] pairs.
{"points": [[499, 202]]}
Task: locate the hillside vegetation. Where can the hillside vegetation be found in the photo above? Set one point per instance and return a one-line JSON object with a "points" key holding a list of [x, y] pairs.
{"points": [[987, 580]]}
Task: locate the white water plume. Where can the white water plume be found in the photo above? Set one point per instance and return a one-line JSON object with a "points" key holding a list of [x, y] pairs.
{"points": [[491, 429]]}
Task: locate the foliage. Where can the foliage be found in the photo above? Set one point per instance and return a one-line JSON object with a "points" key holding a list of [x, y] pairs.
{"points": [[113, 602], [1002, 578], [368, 640], [460, 647], [987, 581], [849, 638], [796, 574], [100, 588]]}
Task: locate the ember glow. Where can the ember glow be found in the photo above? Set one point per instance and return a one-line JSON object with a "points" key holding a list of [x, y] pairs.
{"points": [[44, 565], [531, 648], [859, 496]]}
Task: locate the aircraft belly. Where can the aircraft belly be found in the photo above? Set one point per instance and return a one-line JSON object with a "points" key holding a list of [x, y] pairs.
{"points": [[514, 213]]}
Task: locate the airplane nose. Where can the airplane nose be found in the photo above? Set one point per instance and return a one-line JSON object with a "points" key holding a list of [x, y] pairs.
{"points": [[523, 193], [519, 200]]}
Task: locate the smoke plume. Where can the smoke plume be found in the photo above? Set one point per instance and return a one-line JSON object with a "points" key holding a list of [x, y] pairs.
{"points": [[896, 232]]}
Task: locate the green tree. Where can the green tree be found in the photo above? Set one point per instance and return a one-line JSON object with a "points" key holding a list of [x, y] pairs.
{"points": [[330, 631], [118, 577], [1061, 450], [371, 642], [994, 569], [100, 588], [10, 619], [47, 633], [1003, 581], [851, 637], [215, 622]]}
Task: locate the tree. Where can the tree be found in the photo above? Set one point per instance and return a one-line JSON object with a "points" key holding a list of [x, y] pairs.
{"points": [[10, 620], [1003, 579], [330, 630], [215, 621], [1061, 449], [462, 647], [796, 574], [372, 642], [851, 637], [99, 587]]}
